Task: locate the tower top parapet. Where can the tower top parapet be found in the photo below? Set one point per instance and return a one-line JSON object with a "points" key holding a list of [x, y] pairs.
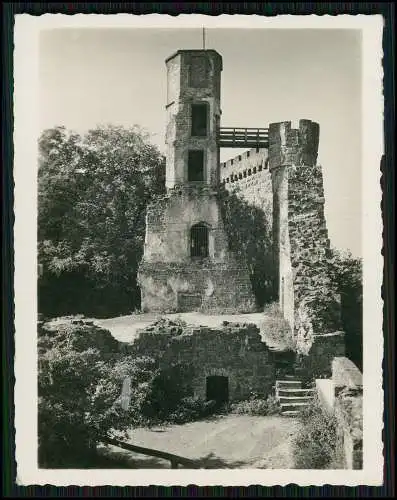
{"points": [[197, 52], [288, 146]]}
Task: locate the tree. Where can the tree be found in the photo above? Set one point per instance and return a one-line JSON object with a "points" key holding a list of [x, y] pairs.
{"points": [[346, 272], [93, 193]]}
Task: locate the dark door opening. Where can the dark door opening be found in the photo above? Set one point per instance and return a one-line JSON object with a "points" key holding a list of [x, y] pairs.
{"points": [[218, 389], [199, 120], [284, 363], [195, 166], [199, 241]]}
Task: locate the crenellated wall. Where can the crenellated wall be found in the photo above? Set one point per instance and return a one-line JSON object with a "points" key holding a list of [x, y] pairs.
{"points": [[248, 175]]}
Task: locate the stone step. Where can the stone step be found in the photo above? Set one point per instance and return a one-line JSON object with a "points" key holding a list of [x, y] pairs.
{"points": [[295, 405], [288, 384], [295, 392], [295, 399], [290, 413]]}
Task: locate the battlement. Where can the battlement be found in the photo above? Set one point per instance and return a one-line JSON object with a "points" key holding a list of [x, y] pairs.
{"points": [[288, 146], [244, 165]]}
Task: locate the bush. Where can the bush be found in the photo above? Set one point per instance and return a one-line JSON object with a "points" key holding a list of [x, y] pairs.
{"points": [[256, 406], [276, 327], [315, 444], [80, 376], [166, 393], [191, 409]]}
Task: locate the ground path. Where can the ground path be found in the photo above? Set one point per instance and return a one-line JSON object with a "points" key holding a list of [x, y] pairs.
{"points": [[232, 441]]}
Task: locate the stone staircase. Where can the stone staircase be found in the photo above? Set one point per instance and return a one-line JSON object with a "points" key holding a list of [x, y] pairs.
{"points": [[291, 396]]}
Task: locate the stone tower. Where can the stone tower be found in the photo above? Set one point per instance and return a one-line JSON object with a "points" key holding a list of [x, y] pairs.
{"points": [[187, 264], [307, 294]]}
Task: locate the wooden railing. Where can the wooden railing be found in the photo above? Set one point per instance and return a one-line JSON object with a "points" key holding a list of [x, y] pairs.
{"points": [[235, 137], [174, 460]]}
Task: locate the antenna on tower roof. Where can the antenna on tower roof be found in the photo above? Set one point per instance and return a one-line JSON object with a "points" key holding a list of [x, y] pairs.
{"points": [[203, 38]]}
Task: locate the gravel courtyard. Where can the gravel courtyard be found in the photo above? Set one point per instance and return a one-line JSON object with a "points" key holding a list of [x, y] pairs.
{"points": [[233, 441]]}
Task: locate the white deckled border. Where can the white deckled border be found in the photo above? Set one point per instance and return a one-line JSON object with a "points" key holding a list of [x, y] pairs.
{"points": [[26, 115]]}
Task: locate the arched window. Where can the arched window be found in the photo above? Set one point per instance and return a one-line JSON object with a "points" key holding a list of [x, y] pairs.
{"points": [[199, 240]]}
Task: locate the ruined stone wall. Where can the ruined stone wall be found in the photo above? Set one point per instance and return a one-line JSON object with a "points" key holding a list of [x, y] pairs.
{"points": [[170, 218], [322, 350], [170, 280], [345, 402], [234, 351], [249, 177]]}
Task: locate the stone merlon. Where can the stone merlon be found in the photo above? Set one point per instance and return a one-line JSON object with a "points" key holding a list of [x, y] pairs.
{"points": [[288, 146]]}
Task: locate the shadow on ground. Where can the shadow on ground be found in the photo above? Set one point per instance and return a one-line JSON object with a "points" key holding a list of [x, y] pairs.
{"points": [[119, 460], [211, 461]]}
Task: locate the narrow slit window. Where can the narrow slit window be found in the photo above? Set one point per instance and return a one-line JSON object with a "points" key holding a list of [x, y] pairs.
{"points": [[199, 120], [195, 166]]}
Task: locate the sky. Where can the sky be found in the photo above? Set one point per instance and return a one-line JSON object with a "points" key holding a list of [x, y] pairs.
{"points": [[92, 76]]}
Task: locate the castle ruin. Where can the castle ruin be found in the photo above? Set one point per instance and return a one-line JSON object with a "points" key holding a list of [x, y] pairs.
{"points": [[187, 264]]}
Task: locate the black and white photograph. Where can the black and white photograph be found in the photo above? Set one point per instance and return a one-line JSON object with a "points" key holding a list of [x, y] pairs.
{"points": [[198, 241]]}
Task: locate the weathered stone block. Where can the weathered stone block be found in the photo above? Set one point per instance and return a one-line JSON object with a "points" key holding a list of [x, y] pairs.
{"points": [[347, 380]]}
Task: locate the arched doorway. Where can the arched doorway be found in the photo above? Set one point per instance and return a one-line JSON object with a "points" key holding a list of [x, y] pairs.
{"points": [[199, 241]]}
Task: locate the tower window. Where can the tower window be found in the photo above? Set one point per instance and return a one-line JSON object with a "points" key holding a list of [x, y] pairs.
{"points": [[199, 119], [199, 240], [195, 166], [198, 72]]}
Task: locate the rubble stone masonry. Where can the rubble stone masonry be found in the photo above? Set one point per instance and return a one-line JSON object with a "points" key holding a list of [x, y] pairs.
{"points": [[170, 280], [286, 182], [306, 293], [348, 405], [234, 351]]}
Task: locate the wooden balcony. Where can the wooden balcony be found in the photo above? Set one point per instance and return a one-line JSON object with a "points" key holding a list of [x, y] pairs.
{"points": [[234, 137]]}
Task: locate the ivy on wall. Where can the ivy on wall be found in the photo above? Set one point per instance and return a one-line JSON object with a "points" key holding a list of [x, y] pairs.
{"points": [[250, 239]]}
